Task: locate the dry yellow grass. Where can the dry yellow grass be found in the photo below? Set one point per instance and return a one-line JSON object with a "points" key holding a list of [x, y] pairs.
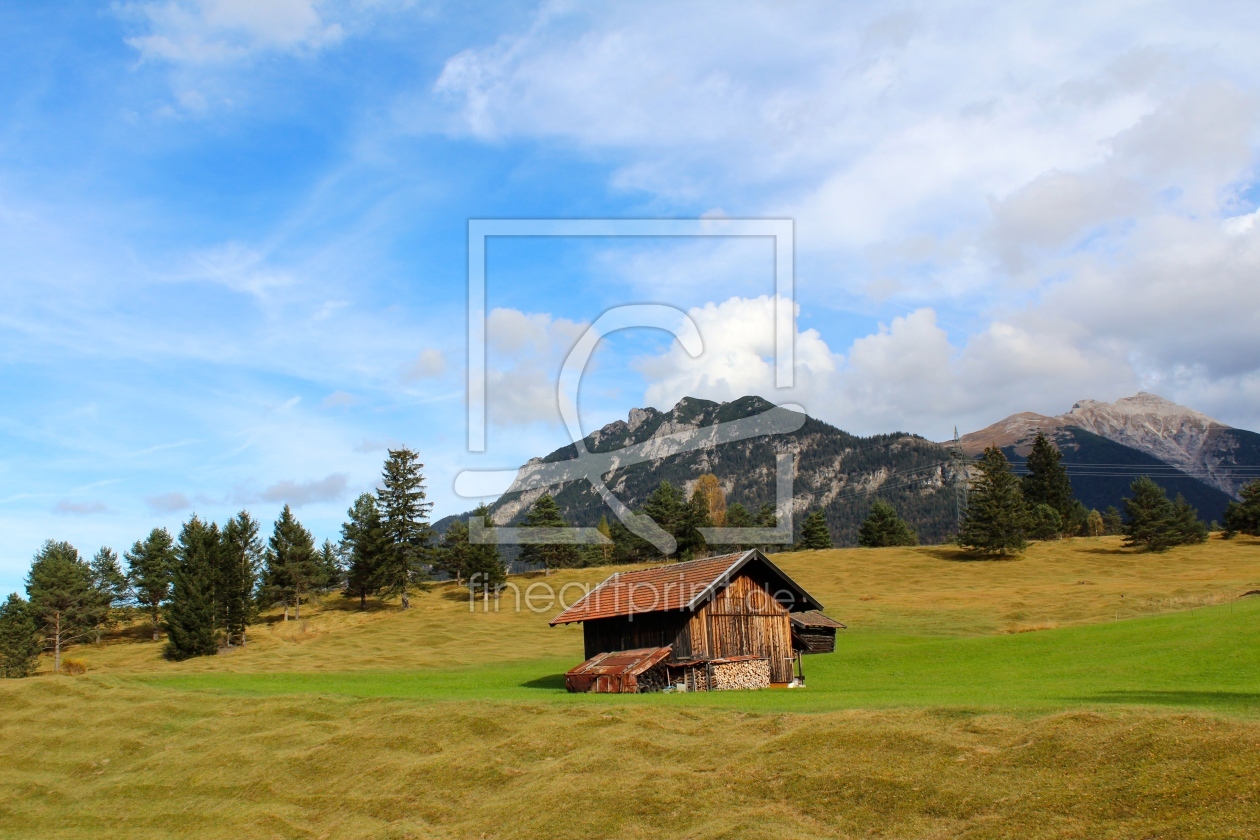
{"points": [[925, 590], [126, 752]]}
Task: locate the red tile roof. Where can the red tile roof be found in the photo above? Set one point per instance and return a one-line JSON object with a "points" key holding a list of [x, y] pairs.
{"points": [[676, 586]]}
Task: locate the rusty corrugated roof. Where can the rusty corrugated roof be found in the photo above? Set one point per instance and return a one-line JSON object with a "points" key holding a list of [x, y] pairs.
{"points": [[676, 586], [632, 662]]}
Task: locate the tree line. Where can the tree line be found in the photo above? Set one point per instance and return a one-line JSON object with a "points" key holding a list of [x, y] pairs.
{"points": [[206, 586], [1005, 510]]}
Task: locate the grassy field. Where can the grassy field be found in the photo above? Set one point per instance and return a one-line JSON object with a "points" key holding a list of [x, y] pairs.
{"points": [[1079, 691]]}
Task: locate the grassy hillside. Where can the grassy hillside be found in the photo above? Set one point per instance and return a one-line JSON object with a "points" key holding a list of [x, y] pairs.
{"points": [[936, 717]]}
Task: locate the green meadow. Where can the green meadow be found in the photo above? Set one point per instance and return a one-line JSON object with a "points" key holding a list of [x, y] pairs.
{"points": [[1078, 691]]}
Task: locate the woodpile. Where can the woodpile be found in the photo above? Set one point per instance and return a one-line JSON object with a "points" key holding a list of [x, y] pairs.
{"points": [[742, 673]]}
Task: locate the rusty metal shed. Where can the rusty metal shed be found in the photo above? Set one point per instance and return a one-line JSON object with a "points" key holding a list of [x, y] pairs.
{"points": [[614, 673]]}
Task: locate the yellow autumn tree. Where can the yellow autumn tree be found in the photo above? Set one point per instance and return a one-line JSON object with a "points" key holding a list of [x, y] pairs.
{"points": [[708, 488]]}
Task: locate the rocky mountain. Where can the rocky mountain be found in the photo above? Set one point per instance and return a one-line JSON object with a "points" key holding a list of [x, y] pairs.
{"points": [[837, 471], [1106, 445]]}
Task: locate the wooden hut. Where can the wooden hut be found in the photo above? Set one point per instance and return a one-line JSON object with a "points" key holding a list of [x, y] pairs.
{"points": [[718, 622]]}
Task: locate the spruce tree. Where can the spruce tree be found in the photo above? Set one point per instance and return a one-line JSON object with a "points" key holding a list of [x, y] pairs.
{"points": [[328, 558], [1243, 516], [671, 512], [291, 568], [485, 567], [241, 561], [1149, 517], [453, 552], [1047, 481], [363, 542], [112, 588], [883, 528], [814, 532], [996, 515], [562, 552], [65, 603], [150, 565], [19, 638], [405, 513], [1044, 523], [190, 616], [1187, 528], [1113, 522]]}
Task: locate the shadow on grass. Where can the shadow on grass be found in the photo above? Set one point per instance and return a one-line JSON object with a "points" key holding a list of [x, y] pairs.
{"points": [[958, 555], [1176, 698], [551, 682]]}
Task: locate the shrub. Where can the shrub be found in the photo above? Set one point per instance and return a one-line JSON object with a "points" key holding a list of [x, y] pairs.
{"points": [[73, 667]]}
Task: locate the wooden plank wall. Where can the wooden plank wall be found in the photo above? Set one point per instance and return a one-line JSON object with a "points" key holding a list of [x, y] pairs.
{"points": [[741, 620]]}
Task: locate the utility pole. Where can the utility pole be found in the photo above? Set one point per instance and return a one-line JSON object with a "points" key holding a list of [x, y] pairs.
{"points": [[960, 481]]}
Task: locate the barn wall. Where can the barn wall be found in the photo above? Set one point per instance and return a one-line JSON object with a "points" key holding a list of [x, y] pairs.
{"points": [[640, 631], [741, 620]]}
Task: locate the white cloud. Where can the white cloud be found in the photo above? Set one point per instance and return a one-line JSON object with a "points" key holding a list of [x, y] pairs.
{"points": [[212, 31], [168, 502], [524, 354], [906, 376], [430, 364], [299, 493], [1069, 183]]}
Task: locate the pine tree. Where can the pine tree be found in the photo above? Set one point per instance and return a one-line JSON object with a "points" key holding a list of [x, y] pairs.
{"points": [[883, 527], [190, 615], [1113, 522], [767, 516], [1094, 525], [149, 568], [1044, 523], [241, 560], [329, 560], [291, 568], [696, 516], [19, 639], [669, 510], [65, 604], [1149, 515], [485, 567], [112, 588], [453, 552], [1243, 516], [996, 516], [1047, 481], [363, 542], [405, 513], [1187, 528], [815, 534], [563, 552]]}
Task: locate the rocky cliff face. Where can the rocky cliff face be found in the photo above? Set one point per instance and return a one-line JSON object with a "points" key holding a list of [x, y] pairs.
{"points": [[834, 470]]}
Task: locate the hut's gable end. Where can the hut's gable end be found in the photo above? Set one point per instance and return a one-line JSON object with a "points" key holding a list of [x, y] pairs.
{"points": [[744, 620]]}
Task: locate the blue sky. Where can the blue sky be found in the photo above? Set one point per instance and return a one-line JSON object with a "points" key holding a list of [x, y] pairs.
{"points": [[233, 231]]}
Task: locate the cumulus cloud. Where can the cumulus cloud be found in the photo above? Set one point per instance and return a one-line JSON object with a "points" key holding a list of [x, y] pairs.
{"points": [[66, 507], [211, 31], [524, 354], [905, 376], [168, 503], [299, 493], [1074, 187]]}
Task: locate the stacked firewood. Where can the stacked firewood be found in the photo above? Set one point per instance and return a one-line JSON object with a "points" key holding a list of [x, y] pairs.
{"points": [[653, 679], [741, 674]]}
